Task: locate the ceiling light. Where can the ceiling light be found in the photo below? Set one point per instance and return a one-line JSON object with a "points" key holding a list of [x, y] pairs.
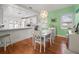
{"points": [[43, 13]]}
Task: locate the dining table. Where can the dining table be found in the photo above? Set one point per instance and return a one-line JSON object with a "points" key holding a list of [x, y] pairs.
{"points": [[45, 33]]}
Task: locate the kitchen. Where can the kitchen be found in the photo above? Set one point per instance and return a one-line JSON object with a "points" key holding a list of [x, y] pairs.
{"points": [[17, 22]]}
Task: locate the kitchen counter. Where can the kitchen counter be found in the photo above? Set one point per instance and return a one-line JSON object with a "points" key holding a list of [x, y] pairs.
{"points": [[17, 34], [15, 29]]}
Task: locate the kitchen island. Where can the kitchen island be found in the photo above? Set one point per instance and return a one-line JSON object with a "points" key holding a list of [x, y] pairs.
{"points": [[17, 34]]}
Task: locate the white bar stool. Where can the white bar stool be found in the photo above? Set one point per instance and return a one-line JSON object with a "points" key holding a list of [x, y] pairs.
{"points": [[5, 42]]}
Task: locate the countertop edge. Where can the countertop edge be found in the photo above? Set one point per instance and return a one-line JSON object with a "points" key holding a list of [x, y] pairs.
{"points": [[15, 29]]}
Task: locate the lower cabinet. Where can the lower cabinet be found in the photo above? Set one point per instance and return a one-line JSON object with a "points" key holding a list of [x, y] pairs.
{"points": [[18, 35]]}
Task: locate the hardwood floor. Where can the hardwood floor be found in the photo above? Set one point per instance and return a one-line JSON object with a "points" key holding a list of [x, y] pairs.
{"points": [[26, 47]]}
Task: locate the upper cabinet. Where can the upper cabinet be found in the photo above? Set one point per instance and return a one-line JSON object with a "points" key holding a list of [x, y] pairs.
{"points": [[16, 11], [15, 16], [1, 13]]}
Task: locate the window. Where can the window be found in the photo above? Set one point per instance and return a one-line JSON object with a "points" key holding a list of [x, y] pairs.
{"points": [[67, 21]]}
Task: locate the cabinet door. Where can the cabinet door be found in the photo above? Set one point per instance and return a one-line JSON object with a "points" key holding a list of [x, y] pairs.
{"points": [[10, 15], [34, 20], [1, 14]]}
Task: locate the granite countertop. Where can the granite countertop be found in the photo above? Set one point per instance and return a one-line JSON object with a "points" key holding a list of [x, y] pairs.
{"points": [[15, 29]]}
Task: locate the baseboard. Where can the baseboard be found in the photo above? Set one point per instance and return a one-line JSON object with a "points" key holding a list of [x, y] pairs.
{"points": [[61, 36]]}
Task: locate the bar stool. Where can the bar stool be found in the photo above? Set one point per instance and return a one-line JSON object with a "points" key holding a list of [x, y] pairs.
{"points": [[5, 41]]}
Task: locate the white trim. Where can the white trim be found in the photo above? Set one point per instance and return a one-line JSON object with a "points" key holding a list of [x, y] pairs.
{"points": [[61, 36]]}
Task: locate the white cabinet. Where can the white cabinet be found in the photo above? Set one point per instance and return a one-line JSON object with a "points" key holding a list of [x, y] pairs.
{"points": [[13, 14], [74, 42], [11, 11], [1, 14], [34, 20], [16, 11]]}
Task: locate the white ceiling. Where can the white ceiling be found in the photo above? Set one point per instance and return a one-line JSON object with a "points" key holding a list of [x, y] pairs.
{"points": [[48, 7]]}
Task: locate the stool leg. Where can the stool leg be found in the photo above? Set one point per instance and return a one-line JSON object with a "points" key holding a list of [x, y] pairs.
{"points": [[12, 44], [4, 44], [10, 41], [44, 44]]}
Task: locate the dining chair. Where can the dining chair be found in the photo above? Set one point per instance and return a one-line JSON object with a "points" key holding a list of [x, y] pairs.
{"points": [[39, 38], [53, 35]]}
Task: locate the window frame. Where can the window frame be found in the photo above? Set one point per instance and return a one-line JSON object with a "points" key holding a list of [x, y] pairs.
{"points": [[65, 24]]}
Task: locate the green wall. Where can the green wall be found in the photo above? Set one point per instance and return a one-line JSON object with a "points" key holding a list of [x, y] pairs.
{"points": [[76, 15], [57, 14]]}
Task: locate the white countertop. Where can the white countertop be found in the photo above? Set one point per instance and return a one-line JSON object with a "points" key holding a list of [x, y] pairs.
{"points": [[15, 29]]}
